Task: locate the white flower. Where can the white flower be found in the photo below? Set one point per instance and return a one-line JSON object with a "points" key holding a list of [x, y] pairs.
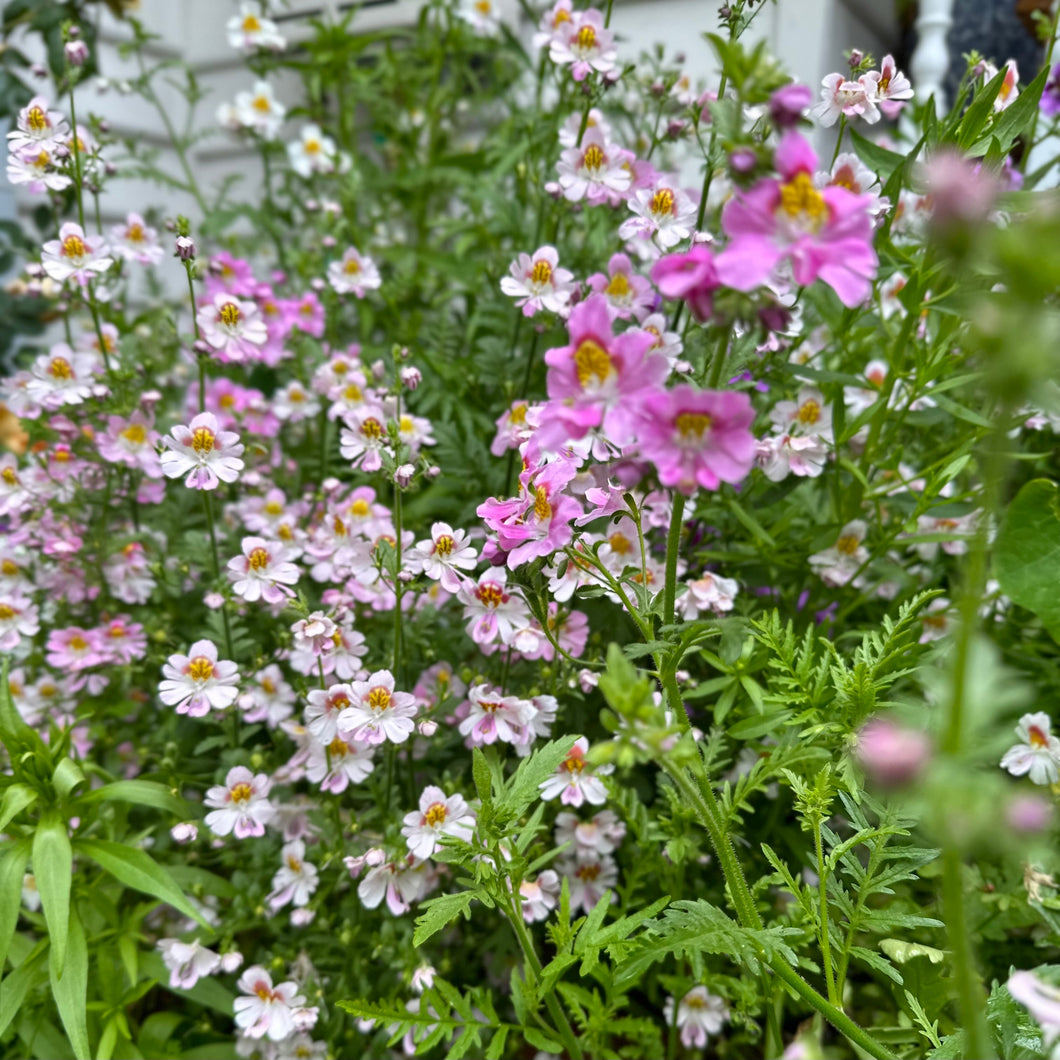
{"points": [[296, 879], [447, 552], [437, 816], [1037, 755], [699, 1014], [593, 170], [187, 962], [1009, 93], [807, 415], [62, 377], [34, 166], [322, 714], [198, 681], [786, 454], [260, 111], [293, 403], [584, 43], [539, 896], [208, 455], [363, 437], [240, 805], [482, 15], [74, 255], [536, 282], [313, 153], [376, 712], [575, 780], [250, 30], [263, 572], [837, 565], [850, 98], [266, 1011], [663, 211], [890, 82], [340, 763], [37, 126], [232, 327], [401, 882], [600, 835], [136, 241], [588, 876], [355, 273], [711, 593], [1042, 1000]]}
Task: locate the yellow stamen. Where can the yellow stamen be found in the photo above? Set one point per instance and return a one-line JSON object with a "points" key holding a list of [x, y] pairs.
{"points": [[800, 199], [591, 359], [200, 668]]}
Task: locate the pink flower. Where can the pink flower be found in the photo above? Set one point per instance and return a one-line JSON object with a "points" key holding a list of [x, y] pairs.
{"points": [[187, 962], [536, 282], [75, 256], [438, 815], [892, 754], [493, 716], [136, 241], [240, 805], [691, 276], [233, 328], [626, 291], [539, 897], [825, 234], [852, 99], [892, 87], [296, 879], [788, 103], [698, 437], [584, 43], [594, 170], [662, 210], [74, 648], [198, 681], [401, 882], [364, 437], [376, 712], [131, 442], [62, 377], [699, 1014], [18, 619], [596, 381], [443, 556], [575, 781], [493, 612], [263, 572], [354, 274], [208, 455]]}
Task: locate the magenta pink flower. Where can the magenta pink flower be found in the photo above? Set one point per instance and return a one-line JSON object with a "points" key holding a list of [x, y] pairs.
{"points": [[75, 648], [826, 234], [691, 276], [596, 380], [698, 437]]}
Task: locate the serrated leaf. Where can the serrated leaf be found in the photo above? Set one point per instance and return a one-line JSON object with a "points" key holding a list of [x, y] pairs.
{"points": [[540, 1040], [524, 787], [440, 911]]}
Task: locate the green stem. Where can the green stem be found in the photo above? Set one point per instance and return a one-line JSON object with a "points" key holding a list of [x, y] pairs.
{"points": [[673, 547], [822, 887], [839, 139], [718, 360], [708, 176], [75, 141], [555, 1010], [217, 568], [195, 325]]}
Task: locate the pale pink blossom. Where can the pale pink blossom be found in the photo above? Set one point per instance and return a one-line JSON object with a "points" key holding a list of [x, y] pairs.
{"points": [[240, 805], [537, 282], [205, 453], [575, 781], [188, 962], [1037, 755], [264, 1010], [198, 681], [699, 1015], [75, 255], [439, 815], [263, 571]]}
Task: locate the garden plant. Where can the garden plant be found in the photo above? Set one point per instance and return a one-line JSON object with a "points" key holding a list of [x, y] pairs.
{"points": [[567, 564]]}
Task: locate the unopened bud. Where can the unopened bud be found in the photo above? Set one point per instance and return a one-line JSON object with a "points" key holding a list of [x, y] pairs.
{"points": [[76, 52], [411, 377], [433, 471], [317, 284], [328, 241], [428, 727], [231, 961], [185, 248], [378, 370], [185, 832]]}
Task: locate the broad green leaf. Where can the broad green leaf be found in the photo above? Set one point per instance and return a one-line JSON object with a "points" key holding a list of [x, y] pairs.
{"points": [[71, 990], [52, 865], [1027, 552], [12, 870], [878, 159], [17, 798], [68, 774], [139, 871], [28, 974], [16, 735], [439, 911]]}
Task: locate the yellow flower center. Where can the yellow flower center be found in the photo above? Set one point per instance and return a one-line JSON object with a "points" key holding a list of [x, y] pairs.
{"points": [[483, 7], [800, 200], [372, 428], [692, 423], [560, 17], [9, 476], [251, 24], [59, 368], [338, 748], [619, 543], [258, 559], [593, 157], [241, 793], [541, 273], [293, 863], [405, 424], [135, 233], [490, 594], [227, 401], [311, 147], [360, 508], [351, 266], [542, 509], [585, 38], [436, 814], [73, 247], [518, 413], [444, 545], [273, 508], [230, 314], [1037, 737], [663, 202], [353, 393], [591, 359], [262, 104], [135, 433], [200, 668], [202, 440], [847, 544], [378, 698], [574, 764], [7, 612], [9, 567], [809, 412], [619, 286], [268, 685], [36, 119]]}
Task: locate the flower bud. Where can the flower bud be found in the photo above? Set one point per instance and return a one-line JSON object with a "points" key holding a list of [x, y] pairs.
{"points": [[231, 961], [404, 475], [428, 727], [743, 160], [317, 284], [328, 241], [857, 57], [185, 248], [378, 370], [1029, 814], [411, 377], [76, 52], [185, 832], [405, 577], [433, 471]]}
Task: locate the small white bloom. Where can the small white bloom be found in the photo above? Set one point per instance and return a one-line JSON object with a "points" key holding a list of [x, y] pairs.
{"points": [[1037, 755], [437, 816]]}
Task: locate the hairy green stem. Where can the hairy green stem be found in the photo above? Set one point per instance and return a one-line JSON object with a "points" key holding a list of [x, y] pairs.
{"points": [[673, 547], [822, 887], [217, 567]]}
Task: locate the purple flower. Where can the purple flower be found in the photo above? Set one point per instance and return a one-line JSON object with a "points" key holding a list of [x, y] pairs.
{"points": [[787, 104]]}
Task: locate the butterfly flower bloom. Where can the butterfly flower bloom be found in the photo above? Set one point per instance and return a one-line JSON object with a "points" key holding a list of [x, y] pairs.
{"points": [[493, 716], [588, 877], [38, 127], [698, 438], [492, 612], [710, 594], [539, 897], [241, 805], [1037, 755], [18, 618], [35, 168], [843, 98], [575, 781], [199, 681], [340, 762], [443, 556], [824, 234], [1008, 93], [136, 241], [263, 572], [355, 273], [206, 454], [264, 1010], [376, 712], [296, 879], [312, 153], [892, 87], [438, 815], [62, 377], [401, 882], [699, 1014], [626, 291], [482, 15], [132, 442], [188, 962], [250, 31], [593, 170], [839, 564], [584, 44], [234, 328], [75, 256], [536, 282], [663, 211], [364, 437]]}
